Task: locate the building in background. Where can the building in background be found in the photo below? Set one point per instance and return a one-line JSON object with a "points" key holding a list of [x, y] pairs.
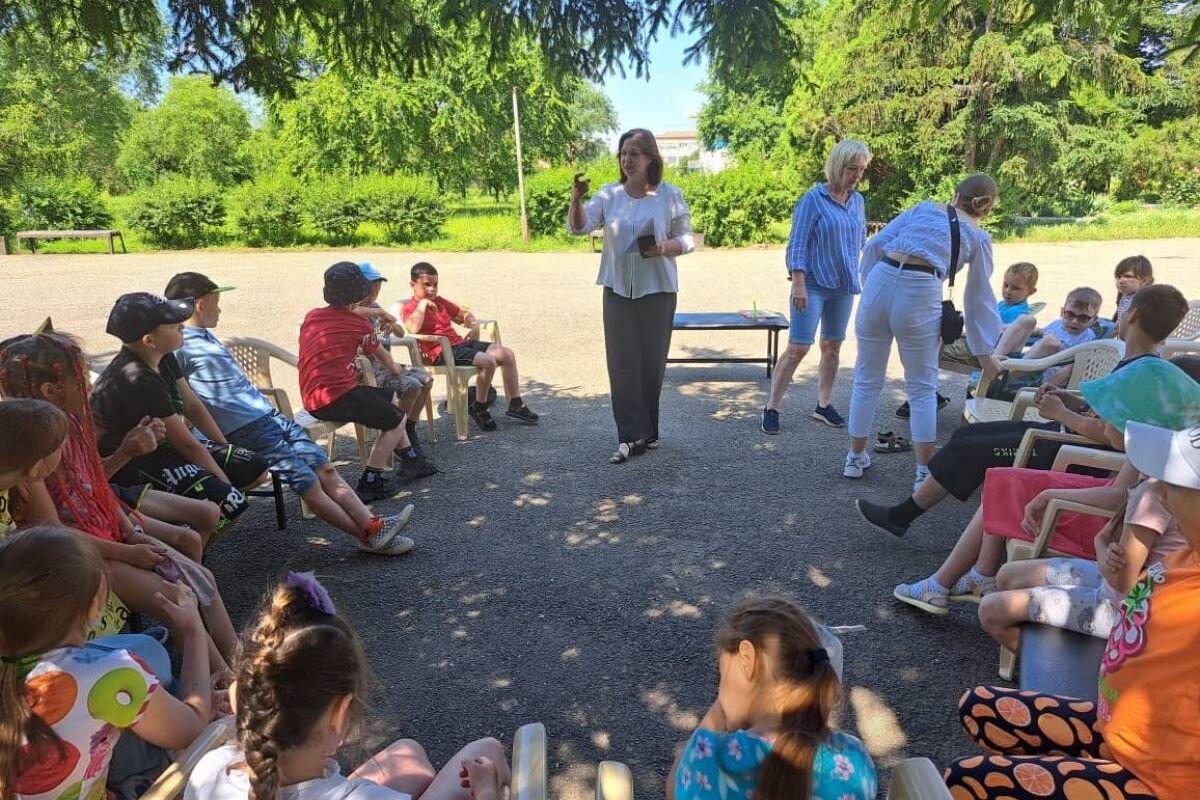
{"points": [[682, 150]]}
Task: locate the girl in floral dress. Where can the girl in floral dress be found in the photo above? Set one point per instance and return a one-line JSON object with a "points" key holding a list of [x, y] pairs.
{"points": [[767, 736]]}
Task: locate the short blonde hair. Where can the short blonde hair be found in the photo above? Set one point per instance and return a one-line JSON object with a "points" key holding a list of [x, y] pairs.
{"points": [[842, 154], [1026, 272]]}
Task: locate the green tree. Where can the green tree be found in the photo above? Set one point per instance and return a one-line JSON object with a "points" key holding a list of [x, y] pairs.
{"points": [[255, 43], [198, 131], [453, 123], [62, 112]]}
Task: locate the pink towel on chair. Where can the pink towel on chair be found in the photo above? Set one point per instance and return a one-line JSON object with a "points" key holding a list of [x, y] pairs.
{"points": [[1006, 492]]}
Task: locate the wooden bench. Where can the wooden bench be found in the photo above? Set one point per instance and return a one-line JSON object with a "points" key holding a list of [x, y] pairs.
{"points": [[33, 236]]}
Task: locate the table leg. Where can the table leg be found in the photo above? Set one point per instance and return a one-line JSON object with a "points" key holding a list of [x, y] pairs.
{"points": [[772, 350], [110, 245]]}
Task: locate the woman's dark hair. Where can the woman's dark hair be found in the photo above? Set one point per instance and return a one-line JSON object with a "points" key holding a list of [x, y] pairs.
{"points": [[788, 641], [421, 268], [49, 578], [296, 663], [647, 144], [30, 430]]}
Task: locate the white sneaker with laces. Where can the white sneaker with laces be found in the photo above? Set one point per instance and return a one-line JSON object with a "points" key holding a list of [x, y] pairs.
{"points": [[856, 463]]}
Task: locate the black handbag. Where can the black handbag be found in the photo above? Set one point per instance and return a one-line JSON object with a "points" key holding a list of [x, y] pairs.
{"points": [[952, 318]]}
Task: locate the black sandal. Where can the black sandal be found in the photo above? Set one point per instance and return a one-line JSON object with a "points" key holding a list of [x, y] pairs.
{"points": [[892, 443], [627, 450]]}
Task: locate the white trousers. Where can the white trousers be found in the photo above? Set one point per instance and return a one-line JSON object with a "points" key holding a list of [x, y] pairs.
{"points": [[905, 306]]}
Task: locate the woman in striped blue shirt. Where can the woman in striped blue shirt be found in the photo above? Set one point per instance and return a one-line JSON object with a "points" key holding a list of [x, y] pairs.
{"points": [[829, 227]]}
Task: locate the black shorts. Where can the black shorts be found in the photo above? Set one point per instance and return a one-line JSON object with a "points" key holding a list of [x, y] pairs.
{"points": [[372, 406], [131, 495], [464, 352], [960, 466], [167, 470]]}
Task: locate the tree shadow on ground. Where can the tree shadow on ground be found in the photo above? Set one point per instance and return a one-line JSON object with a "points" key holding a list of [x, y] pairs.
{"points": [[550, 585]]}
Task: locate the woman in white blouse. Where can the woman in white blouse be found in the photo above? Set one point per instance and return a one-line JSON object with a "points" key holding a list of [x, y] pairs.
{"points": [[902, 270], [646, 225]]}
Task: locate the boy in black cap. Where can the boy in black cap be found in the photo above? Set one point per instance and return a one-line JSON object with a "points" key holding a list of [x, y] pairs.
{"points": [[144, 380], [330, 341], [249, 420]]}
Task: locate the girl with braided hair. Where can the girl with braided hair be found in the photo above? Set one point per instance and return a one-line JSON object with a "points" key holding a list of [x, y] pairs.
{"points": [[64, 701], [301, 680], [768, 735], [140, 568]]}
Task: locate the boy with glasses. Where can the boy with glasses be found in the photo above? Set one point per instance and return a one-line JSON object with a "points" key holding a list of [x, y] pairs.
{"points": [[1074, 326]]}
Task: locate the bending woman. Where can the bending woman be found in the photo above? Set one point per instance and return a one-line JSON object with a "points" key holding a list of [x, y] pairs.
{"points": [[903, 267]]}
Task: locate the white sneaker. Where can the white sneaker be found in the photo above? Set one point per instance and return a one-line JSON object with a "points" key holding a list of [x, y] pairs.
{"points": [[922, 474], [856, 463], [387, 541]]}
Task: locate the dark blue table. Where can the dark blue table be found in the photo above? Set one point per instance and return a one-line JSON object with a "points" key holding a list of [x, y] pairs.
{"points": [[767, 321]]}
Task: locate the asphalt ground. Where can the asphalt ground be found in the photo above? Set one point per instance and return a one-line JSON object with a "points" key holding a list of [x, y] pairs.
{"points": [[548, 585]]}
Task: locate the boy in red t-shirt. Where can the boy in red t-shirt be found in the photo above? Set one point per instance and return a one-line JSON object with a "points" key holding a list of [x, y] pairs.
{"points": [[330, 340], [428, 313]]}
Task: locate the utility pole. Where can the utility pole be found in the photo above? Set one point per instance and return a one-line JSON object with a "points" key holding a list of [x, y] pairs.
{"points": [[520, 167]]}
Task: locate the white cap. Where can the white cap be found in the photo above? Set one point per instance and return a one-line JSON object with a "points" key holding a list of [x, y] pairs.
{"points": [[1170, 456], [833, 648]]}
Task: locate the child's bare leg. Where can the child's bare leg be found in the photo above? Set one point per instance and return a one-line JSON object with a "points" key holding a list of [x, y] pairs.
{"points": [[507, 360], [402, 766], [216, 619], [185, 540], [447, 785], [1022, 574], [139, 589], [202, 516], [1003, 613], [387, 443], [486, 365], [965, 552], [337, 490], [1015, 335], [1048, 346]]}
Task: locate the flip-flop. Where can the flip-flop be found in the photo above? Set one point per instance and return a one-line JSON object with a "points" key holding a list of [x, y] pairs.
{"points": [[889, 442]]}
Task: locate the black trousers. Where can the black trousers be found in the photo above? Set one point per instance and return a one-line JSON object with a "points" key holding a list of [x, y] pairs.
{"points": [[637, 336]]}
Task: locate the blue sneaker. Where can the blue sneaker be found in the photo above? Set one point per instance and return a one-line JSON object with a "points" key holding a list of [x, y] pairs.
{"points": [[829, 415], [770, 421]]}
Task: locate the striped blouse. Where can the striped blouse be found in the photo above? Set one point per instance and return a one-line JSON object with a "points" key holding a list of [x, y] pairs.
{"points": [[827, 238]]}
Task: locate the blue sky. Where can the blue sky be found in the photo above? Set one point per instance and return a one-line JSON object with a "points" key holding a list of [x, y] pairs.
{"points": [[668, 101]]}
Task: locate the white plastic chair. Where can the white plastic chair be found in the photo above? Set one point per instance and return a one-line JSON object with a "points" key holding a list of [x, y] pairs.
{"points": [[1092, 360], [1189, 327], [962, 367], [457, 377]]}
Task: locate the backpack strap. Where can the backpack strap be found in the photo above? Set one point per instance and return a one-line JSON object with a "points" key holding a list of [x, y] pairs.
{"points": [[954, 241]]}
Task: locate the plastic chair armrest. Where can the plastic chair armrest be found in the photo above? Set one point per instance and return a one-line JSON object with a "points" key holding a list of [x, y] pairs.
{"points": [[170, 784], [414, 349], [1022, 403], [279, 398], [529, 763], [1050, 520], [1074, 456], [1034, 435], [917, 779], [614, 781]]}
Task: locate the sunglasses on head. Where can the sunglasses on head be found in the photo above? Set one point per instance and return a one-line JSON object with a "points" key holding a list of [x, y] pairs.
{"points": [[1082, 319]]}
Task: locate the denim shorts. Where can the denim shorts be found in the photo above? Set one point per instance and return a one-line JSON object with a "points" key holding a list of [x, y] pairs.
{"points": [[285, 447], [830, 307]]}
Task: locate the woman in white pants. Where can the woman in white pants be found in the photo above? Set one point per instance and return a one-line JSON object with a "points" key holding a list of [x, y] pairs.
{"points": [[902, 270]]}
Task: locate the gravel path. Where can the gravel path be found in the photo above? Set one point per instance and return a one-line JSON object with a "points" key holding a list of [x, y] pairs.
{"points": [[548, 585]]}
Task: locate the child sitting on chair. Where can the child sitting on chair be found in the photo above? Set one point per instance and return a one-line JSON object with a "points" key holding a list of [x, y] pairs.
{"points": [[1075, 325], [429, 313], [1132, 274], [301, 683], [248, 420], [768, 735], [331, 339], [412, 383]]}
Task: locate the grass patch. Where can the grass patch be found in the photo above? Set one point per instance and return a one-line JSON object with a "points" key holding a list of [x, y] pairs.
{"points": [[1162, 223]]}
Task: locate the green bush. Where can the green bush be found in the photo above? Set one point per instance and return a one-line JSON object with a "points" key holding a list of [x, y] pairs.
{"points": [[269, 212], [334, 208], [179, 212], [548, 193], [1184, 191], [62, 204], [409, 208], [738, 206]]}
